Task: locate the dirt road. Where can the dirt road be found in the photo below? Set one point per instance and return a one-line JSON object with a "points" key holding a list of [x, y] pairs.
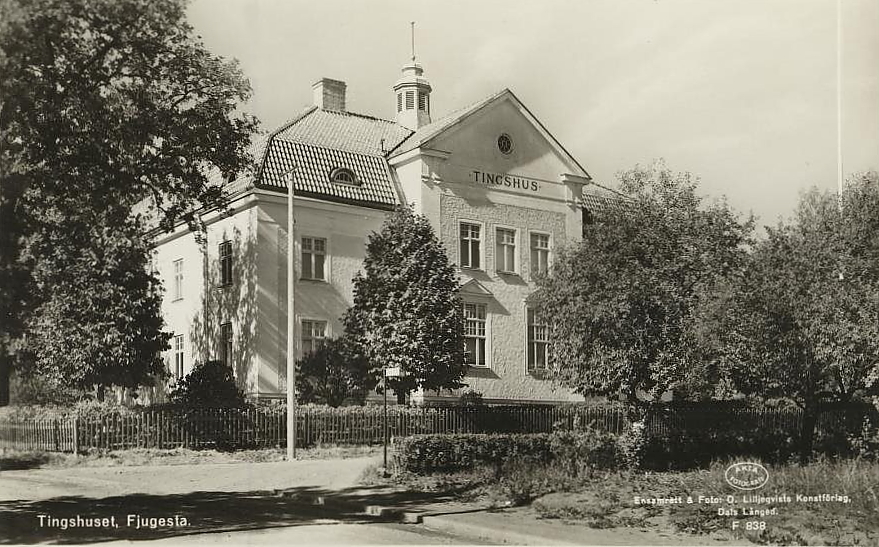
{"points": [[38, 484]]}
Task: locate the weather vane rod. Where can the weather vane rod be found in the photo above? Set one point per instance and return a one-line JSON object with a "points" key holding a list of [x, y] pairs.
{"points": [[413, 40]]}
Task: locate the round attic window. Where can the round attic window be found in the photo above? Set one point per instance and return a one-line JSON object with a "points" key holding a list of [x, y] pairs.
{"points": [[505, 143], [343, 175]]}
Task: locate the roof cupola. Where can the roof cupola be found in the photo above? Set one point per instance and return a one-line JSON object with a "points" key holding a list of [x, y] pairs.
{"points": [[413, 94]]}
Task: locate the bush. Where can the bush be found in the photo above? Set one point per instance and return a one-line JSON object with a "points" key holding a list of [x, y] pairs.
{"points": [[84, 409], [523, 481], [453, 452], [209, 385], [575, 453], [632, 445], [682, 450], [333, 374], [579, 452], [865, 444], [471, 399]]}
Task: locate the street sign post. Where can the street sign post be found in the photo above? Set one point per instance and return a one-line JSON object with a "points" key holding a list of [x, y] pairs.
{"points": [[387, 372]]}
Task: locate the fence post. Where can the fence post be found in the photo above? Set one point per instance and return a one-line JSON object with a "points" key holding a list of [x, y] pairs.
{"points": [[76, 435]]}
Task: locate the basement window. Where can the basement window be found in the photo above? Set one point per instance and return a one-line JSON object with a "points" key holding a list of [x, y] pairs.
{"points": [[343, 175]]}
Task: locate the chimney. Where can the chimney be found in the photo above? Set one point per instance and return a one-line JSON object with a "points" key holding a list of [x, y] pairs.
{"points": [[329, 94]]}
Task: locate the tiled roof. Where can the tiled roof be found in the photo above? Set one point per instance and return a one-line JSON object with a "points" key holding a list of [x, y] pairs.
{"points": [[429, 131], [598, 199], [244, 181], [345, 131], [314, 165]]}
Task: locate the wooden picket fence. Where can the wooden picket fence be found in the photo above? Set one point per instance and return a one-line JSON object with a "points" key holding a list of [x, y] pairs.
{"points": [[259, 427]]}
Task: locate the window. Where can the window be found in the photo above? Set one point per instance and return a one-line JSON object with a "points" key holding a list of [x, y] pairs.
{"points": [[422, 101], [178, 279], [538, 343], [505, 256], [226, 344], [474, 335], [314, 251], [539, 253], [470, 240], [226, 263], [314, 333], [410, 100], [178, 356], [399, 102], [343, 175]]}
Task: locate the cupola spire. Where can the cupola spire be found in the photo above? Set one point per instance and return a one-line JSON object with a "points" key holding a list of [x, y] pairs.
{"points": [[413, 40], [413, 93]]}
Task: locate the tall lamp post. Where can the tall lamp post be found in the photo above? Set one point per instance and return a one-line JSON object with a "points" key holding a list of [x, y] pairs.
{"points": [[289, 176]]}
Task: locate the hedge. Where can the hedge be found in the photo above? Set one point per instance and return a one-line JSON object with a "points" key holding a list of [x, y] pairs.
{"points": [[423, 454], [576, 451], [453, 452]]}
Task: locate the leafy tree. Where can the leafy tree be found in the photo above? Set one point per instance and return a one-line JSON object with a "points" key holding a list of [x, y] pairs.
{"points": [[407, 312], [99, 318], [104, 105], [620, 303], [210, 385], [802, 321], [333, 374]]}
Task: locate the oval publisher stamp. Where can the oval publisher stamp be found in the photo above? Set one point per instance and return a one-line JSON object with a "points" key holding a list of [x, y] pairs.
{"points": [[746, 475]]}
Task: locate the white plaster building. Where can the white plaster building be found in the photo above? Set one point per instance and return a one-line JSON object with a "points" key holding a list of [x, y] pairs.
{"points": [[501, 192]]}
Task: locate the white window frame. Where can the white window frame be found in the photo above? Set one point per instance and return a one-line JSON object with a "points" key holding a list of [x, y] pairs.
{"points": [[528, 341], [178, 356], [312, 254], [311, 338], [177, 266], [497, 245], [534, 271], [481, 240], [486, 338]]}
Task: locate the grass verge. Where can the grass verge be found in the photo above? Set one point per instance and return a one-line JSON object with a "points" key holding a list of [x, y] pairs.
{"points": [[802, 514], [607, 499]]}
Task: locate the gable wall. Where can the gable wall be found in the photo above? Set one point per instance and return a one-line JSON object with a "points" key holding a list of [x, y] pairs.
{"points": [[520, 191]]}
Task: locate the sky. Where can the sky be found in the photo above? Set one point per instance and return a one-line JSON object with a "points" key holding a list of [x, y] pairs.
{"points": [[741, 93]]}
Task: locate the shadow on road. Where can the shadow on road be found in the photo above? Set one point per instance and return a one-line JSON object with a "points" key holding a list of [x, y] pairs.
{"points": [[27, 461], [205, 512]]}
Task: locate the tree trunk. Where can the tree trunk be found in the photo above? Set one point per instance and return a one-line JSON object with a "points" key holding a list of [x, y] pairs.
{"points": [[807, 431], [5, 370], [100, 392]]}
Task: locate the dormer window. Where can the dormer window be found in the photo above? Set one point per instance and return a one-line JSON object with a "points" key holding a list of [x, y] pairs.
{"points": [[343, 175]]}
